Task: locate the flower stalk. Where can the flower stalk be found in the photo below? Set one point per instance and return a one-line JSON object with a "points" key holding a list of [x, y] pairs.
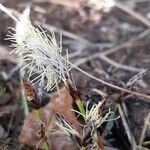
{"points": [[23, 94], [24, 100], [43, 136]]}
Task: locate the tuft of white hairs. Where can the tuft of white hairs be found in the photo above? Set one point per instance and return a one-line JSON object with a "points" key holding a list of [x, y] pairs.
{"points": [[37, 50], [23, 27], [95, 117], [65, 126]]}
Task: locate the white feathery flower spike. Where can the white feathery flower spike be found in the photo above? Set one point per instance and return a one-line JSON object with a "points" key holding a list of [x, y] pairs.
{"points": [[94, 118], [23, 26], [38, 51]]}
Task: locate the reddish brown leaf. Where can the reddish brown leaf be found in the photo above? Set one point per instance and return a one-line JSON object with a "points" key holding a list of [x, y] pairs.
{"points": [[60, 103]]}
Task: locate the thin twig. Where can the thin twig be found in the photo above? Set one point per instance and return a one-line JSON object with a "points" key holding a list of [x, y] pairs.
{"points": [[125, 113], [146, 123], [108, 60], [127, 129], [65, 33], [74, 36], [131, 12], [103, 56], [120, 66], [112, 85], [126, 44], [65, 3], [74, 54]]}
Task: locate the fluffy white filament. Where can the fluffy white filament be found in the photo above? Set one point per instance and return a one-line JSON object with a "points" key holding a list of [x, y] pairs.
{"points": [[38, 51], [95, 116]]}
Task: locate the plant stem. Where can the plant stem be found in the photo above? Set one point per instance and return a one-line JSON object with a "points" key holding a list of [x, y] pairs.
{"points": [[24, 100], [38, 115], [81, 107], [24, 103]]}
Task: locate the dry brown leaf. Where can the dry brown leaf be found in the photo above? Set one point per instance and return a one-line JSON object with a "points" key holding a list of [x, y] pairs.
{"points": [[60, 103]]}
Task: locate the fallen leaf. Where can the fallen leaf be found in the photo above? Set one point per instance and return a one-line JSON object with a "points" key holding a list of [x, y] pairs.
{"points": [[60, 103]]}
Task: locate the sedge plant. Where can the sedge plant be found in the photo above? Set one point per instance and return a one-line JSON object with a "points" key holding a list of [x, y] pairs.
{"points": [[39, 52], [40, 56]]}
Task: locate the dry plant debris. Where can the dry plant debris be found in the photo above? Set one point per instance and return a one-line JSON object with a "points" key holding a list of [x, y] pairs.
{"points": [[60, 102], [68, 119]]}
